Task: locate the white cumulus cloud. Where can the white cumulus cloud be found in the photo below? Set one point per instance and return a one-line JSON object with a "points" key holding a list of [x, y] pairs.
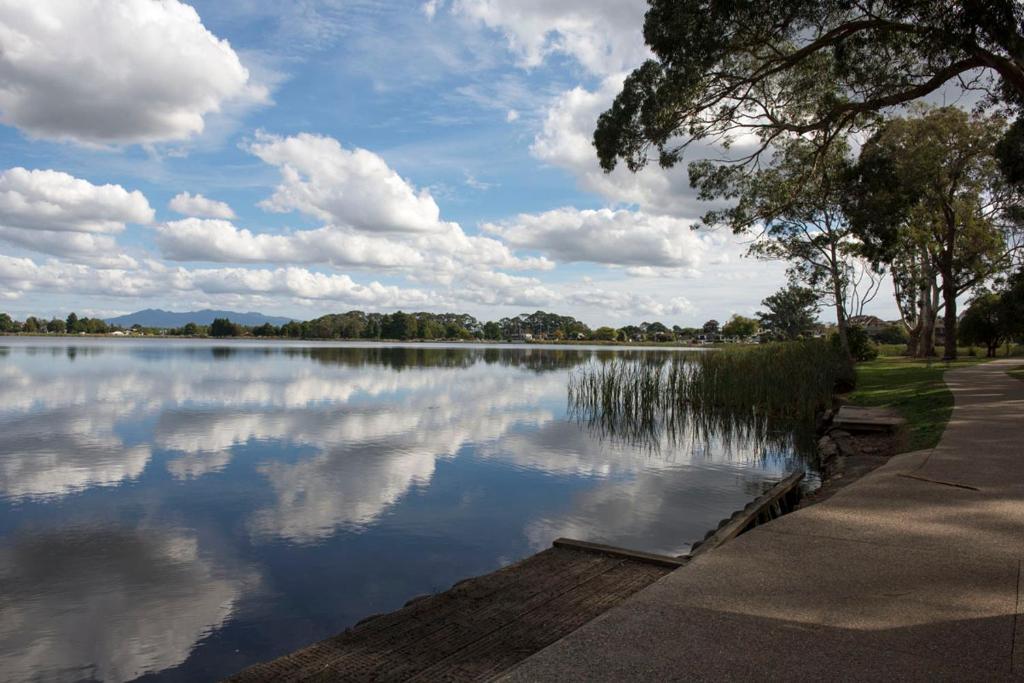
{"points": [[566, 141], [623, 238], [54, 213], [354, 188], [53, 200], [604, 36], [195, 239], [198, 206], [105, 72]]}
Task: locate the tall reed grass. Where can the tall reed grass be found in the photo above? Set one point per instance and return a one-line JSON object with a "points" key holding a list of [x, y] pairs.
{"points": [[791, 380], [757, 399]]}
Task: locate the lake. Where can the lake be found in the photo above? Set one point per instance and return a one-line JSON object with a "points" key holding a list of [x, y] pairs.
{"points": [[178, 510]]}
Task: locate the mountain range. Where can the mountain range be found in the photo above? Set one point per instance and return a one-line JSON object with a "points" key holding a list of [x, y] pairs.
{"points": [[154, 317]]}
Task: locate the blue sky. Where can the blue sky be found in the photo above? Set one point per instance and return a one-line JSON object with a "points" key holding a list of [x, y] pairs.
{"points": [[349, 154]]}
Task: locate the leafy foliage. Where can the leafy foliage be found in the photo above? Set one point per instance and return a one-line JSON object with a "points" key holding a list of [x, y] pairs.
{"points": [[739, 326], [929, 200], [862, 346], [983, 323], [222, 327], [791, 313], [798, 67]]}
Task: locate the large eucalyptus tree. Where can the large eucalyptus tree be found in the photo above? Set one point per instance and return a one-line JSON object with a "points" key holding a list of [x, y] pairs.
{"points": [[816, 68]]}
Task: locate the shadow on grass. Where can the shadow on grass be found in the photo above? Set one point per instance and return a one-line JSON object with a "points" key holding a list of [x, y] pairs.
{"points": [[913, 387]]}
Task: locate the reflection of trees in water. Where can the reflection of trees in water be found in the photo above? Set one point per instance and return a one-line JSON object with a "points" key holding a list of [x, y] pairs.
{"points": [[380, 355], [407, 357], [402, 357], [57, 351]]}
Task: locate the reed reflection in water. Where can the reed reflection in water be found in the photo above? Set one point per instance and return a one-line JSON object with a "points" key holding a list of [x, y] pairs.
{"points": [[653, 403]]}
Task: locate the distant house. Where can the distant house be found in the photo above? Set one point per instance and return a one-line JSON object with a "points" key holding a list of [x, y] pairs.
{"points": [[117, 333], [869, 323]]}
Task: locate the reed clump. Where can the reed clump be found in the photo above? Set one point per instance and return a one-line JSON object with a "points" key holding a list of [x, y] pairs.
{"points": [[785, 380]]}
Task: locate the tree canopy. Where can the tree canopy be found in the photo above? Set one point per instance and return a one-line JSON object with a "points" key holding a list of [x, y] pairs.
{"points": [[777, 67], [791, 313], [983, 323], [929, 199]]}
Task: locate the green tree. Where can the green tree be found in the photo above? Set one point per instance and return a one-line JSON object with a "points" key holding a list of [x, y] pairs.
{"points": [[657, 331], [739, 326], [56, 326], [430, 327], [794, 209], [399, 325], [31, 325], [983, 323], [265, 330], [190, 329], [860, 346], [71, 324], [711, 327], [292, 330], [1012, 301], [7, 324], [630, 333], [492, 330], [605, 334], [803, 68], [792, 313], [223, 327], [93, 326], [929, 199]]}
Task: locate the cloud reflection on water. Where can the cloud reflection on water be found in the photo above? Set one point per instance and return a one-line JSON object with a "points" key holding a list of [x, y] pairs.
{"points": [[309, 447], [108, 603]]}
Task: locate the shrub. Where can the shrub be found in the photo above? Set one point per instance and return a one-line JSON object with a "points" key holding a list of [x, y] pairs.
{"points": [[862, 347]]}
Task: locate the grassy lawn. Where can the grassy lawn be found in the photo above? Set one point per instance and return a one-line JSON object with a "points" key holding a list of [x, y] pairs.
{"points": [[915, 389], [1017, 372]]}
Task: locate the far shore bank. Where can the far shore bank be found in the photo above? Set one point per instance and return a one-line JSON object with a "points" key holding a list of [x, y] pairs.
{"points": [[319, 340]]}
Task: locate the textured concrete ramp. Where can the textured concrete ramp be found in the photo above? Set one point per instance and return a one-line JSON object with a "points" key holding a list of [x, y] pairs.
{"points": [[476, 630], [912, 573]]}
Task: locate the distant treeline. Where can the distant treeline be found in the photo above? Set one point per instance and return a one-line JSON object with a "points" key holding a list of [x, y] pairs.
{"points": [[424, 326], [71, 325], [402, 326]]}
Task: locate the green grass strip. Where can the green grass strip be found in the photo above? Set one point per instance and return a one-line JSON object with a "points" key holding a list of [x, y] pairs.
{"points": [[915, 389]]}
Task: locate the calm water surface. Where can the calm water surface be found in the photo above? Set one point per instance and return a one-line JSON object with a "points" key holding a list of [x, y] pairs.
{"points": [[180, 510]]}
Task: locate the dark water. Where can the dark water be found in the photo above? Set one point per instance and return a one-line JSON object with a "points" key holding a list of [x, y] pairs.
{"points": [[181, 510]]}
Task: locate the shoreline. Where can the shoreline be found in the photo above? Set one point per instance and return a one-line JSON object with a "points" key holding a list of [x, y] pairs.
{"points": [[913, 572], [486, 625], [392, 342]]}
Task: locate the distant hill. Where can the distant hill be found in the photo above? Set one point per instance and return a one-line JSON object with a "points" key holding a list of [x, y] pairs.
{"points": [[154, 317]]}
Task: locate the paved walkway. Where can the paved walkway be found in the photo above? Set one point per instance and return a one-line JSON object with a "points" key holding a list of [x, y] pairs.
{"points": [[913, 572]]}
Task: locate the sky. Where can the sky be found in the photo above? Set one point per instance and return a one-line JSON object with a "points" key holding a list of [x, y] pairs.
{"points": [[310, 157]]}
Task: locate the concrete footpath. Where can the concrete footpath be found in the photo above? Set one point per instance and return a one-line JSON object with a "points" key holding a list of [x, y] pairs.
{"points": [[913, 572]]}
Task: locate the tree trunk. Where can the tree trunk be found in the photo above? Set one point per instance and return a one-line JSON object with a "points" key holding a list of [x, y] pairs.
{"points": [[949, 326], [842, 323], [926, 342], [927, 314], [946, 270], [913, 339]]}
